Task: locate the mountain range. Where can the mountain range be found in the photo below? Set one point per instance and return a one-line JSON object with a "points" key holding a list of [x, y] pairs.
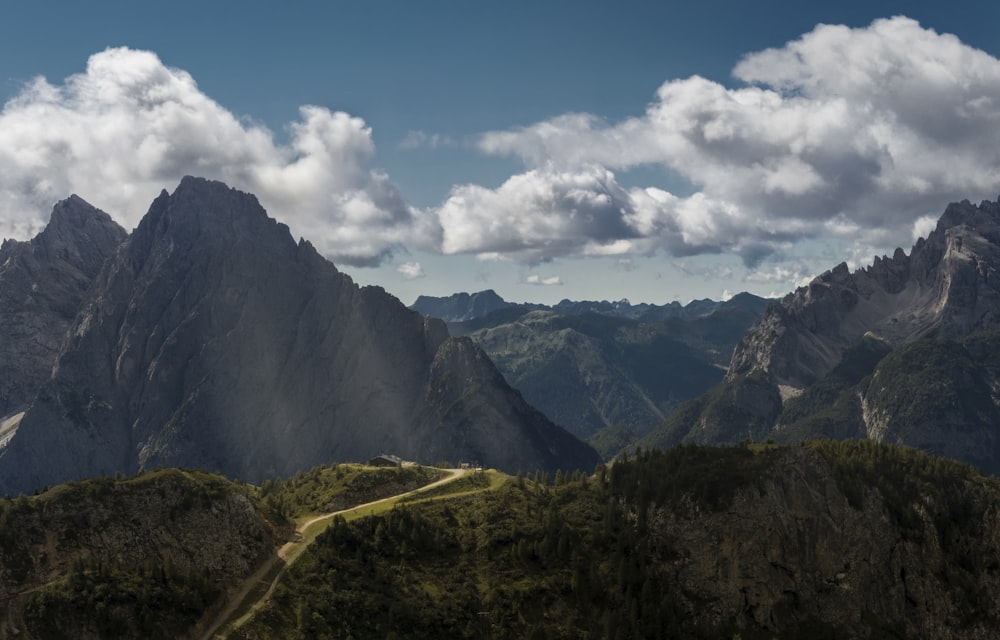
{"points": [[902, 351], [209, 338], [608, 372]]}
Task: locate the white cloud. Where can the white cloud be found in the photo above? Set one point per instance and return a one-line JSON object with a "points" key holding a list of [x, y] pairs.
{"points": [[411, 270], [923, 226], [841, 131], [545, 282], [130, 126]]}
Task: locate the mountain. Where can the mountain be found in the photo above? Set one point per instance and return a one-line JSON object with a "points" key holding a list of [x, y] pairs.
{"points": [[212, 340], [947, 288], [469, 307], [460, 307], [591, 371], [42, 284], [899, 352]]}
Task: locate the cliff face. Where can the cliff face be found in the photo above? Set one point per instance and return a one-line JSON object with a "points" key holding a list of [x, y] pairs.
{"points": [[948, 287], [213, 340], [43, 283], [901, 352]]}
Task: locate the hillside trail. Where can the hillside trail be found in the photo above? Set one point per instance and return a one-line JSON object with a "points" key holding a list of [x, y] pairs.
{"points": [[289, 552]]}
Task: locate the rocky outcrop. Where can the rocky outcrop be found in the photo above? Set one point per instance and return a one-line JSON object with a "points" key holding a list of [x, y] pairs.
{"points": [[948, 287], [43, 282], [213, 340]]}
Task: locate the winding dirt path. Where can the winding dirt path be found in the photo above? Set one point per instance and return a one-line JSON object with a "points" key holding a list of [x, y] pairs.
{"points": [[271, 571]]}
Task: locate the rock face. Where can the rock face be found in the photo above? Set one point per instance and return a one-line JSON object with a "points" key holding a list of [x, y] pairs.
{"points": [[948, 287], [213, 340], [42, 285], [899, 352]]}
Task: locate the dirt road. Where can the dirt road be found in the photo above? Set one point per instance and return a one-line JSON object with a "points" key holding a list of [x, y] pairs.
{"points": [[271, 571]]}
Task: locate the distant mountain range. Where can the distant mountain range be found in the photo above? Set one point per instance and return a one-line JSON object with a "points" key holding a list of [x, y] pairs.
{"points": [[606, 371], [208, 338], [903, 351], [466, 307]]}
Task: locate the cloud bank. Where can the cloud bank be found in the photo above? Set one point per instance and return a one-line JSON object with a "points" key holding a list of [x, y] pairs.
{"points": [[840, 131], [130, 126]]}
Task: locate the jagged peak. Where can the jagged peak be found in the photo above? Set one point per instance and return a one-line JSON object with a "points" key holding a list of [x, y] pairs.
{"points": [[965, 213], [200, 209]]}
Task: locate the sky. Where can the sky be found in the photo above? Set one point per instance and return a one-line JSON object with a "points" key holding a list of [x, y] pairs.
{"points": [[650, 150]]}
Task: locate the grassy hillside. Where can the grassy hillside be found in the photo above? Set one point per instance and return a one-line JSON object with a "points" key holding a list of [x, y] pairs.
{"points": [[827, 540]]}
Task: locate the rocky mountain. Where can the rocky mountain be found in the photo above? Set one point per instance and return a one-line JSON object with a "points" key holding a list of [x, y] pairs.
{"points": [[212, 340], [946, 288], [42, 284], [469, 307], [896, 352], [591, 371], [460, 307]]}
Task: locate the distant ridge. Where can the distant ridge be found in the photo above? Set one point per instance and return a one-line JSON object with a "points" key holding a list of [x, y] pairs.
{"points": [[460, 307], [464, 307]]}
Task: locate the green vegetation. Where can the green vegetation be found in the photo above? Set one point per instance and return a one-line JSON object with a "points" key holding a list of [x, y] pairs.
{"points": [[96, 600], [331, 488], [930, 380], [743, 408], [917, 489], [610, 441], [572, 559]]}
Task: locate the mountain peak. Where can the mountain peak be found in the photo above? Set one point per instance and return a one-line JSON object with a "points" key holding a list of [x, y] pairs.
{"points": [[945, 288], [985, 215]]}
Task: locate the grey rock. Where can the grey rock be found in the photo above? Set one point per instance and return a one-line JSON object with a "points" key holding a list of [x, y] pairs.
{"points": [[213, 340], [43, 283], [948, 287]]}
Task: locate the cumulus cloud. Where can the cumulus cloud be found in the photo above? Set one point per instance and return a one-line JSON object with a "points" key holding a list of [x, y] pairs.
{"points": [[536, 279], [411, 270], [841, 131], [129, 126]]}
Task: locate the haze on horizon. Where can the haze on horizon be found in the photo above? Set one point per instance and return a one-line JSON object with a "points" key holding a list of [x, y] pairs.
{"points": [[752, 170]]}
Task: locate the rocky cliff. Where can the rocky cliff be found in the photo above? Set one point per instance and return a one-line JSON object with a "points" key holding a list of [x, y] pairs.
{"points": [[947, 287], [898, 352], [43, 282], [213, 340]]}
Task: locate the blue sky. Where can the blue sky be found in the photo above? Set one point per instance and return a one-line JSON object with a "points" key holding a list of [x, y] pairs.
{"points": [[547, 150]]}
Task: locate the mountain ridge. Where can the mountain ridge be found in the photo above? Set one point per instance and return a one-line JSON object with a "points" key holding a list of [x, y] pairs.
{"points": [[214, 340], [892, 352]]}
